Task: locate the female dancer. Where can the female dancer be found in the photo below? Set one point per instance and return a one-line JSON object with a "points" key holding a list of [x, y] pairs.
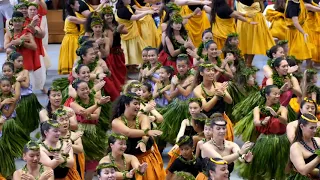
{"points": [[136, 127], [152, 74], [55, 153], [131, 43], [213, 95], [176, 42], [181, 91], [299, 43], [10, 129], [197, 23], [216, 168], [145, 65], [8, 72], [106, 171], [207, 131], [115, 60], [55, 102], [28, 107], [77, 171], [255, 34], [24, 40], [33, 169], [87, 109], [201, 52], [218, 147], [69, 43], [126, 165], [304, 150], [161, 91], [223, 21], [269, 122], [276, 17], [83, 12], [273, 53]]}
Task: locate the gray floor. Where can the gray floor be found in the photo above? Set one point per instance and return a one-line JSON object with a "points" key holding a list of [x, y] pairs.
{"points": [[53, 51]]}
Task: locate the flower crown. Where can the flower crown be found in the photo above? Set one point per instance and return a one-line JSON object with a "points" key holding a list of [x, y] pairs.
{"points": [[106, 165], [198, 100], [176, 18], [33, 4], [206, 65], [96, 19], [282, 42], [107, 10], [22, 3], [53, 124], [173, 7], [33, 145], [310, 120], [183, 140], [60, 112], [132, 96], [119, 136]]}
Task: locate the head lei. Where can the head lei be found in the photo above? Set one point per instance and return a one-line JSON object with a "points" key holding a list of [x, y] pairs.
{"points": [[173, 7], [55, 88], [33, 145], [282, 42], [18, 19], [107, 10], [133, 96], [96, 19], [309, 100], [233, 35], [200, 119], [183, 140], [106, 165], [249, 71], [53, 124], [60, 112], [119, 136], [198, 100], [33, 4], [311, 71], [184, 175], [218, 162], [310, 120], [135, 85], [204, 65], [183, 56], [20, 5], [176, 18]]}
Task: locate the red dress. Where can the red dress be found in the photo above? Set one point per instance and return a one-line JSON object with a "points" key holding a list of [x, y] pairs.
{"points": [[285, 97], [167, 60], [273, 127]]}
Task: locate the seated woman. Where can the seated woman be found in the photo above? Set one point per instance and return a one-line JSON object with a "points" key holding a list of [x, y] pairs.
{"points": [[33, 169], [304, 151], [55, 153], [136, 127], [55, 99], [125, 165], [106, 171], [216, 168]]}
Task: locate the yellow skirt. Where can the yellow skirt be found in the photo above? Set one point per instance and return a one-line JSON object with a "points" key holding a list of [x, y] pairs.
{"points": [[221, 28], [148, 31], [201, 176], [313, 36], [297, 46], [229, 135], [155, 168], [68, 54], [278, 27], [132, 50], [254, 39], [195, 25]]}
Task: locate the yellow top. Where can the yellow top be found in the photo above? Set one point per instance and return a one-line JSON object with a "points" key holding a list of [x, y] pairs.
{"points": [[302, 16], [249, 10], [131, 26], [70, 28], [82, 28]]}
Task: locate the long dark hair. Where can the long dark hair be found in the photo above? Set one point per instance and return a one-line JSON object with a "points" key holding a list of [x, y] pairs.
{"points": [[120, 104], [46, 125], [48, 107], [169, 33], [308, 100], [299, 136], [69, 11], [273, 50]]}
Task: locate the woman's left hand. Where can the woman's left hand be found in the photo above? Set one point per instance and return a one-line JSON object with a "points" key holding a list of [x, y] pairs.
{"points": [[272, 111], [248, 157], [142, 146], [142, 167]]}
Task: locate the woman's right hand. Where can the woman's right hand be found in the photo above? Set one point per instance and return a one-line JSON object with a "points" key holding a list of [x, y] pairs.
{"points": [[246, 147], [46, 175], [154, 133], [285, 87], [27, 176], [8, 101], [104, 99], [130, 174]]}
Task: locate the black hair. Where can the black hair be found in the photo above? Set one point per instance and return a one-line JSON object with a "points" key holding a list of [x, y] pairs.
{"points": [[120, 104], [10, 64], [208, 43], [273, 50], [169, 70], [17, 14], [208, 165], [148, 86], [75, 83], [277, 62], [266, 91], [45, 126], [78, 68], [214, 6], [4, 78], [291, 61], [183, 58], [198, 77], [280, 5], [308, 100], [14, 55], [69, 11], [169, 33], [183, 142], [48, 107], [83, 50], [153, 49], [30, 144], [83, 39], [216, 117], [200, 120], [298, 135], [206, 31]]}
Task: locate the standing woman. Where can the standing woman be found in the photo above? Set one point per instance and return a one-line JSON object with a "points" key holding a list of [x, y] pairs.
{"points": [[69, 43], [253, 34], [115, 60], [141, 144], [216, 169], [297, 33], [131, 43], [82, 13], [276, 17]]}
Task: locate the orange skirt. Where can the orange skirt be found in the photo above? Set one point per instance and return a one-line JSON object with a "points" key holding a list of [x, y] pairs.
{"points": [[173, 154], [73, 174], [155, 168], [201, 176], [2, 178], [229, 135]]}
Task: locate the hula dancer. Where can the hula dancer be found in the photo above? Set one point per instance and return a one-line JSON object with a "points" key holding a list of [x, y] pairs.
{"points": [[161, 91], [216, 169], [33, 168], [128, 122], [213, 94], [125, 165], [106, 171], [276, 17], [28, 107], [305, 149], [12, 136], [145, 65], [273, 53], [152, 74]]}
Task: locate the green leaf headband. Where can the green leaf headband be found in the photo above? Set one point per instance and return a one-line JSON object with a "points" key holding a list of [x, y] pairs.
{"points": [[60, 112], [135, 85], [33, 145], [198, 100], [20, 5], [173, 6], [18, 19], [183, 140], [282, 42], [119, 136], [106, 165], [55, 88], [53, 124], [133, 97], [249, 71], [311, 71], [176, 18], [184, 175], [182, 56], [33, 4], [107, 10], [206, 65], [200, 119], [233, 35], [96, 19]]}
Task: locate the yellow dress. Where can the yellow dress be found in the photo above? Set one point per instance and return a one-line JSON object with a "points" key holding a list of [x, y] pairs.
{"points": [[221, 28], [313, 23], [147, 29], [68, 47], [131, 43], [82, 26], [195, 25], [278, 27], [253, 39], [297, 45]]}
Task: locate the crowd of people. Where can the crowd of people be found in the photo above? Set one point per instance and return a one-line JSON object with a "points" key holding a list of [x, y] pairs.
{"points": [[196, 90]]}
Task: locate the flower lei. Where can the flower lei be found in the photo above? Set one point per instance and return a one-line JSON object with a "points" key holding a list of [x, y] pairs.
{"points": [[91, 66], [188, 162], [124, 119], [279, 81], [41, 170], [219, 62], [184, 175], [114, 163], [266, 112], [182, 77], [82, 104], [51, 149]]}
